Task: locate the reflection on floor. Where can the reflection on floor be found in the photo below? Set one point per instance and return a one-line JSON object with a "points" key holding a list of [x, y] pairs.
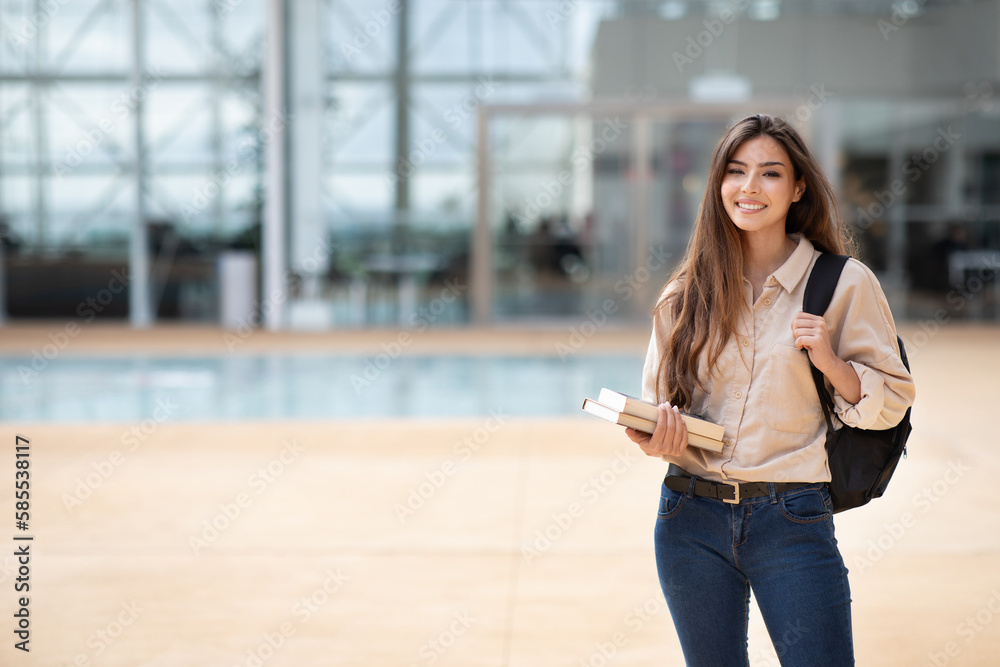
{"points": [[474, 541]]}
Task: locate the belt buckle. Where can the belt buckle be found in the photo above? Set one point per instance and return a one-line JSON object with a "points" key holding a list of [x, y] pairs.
{"points": [[736, 493]]}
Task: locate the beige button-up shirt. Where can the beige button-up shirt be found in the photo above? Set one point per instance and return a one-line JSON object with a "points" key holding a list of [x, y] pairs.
{"points": [[762, 389]]}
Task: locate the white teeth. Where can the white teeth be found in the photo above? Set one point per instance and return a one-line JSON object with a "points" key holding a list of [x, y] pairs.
{"points": [[751, 207]]}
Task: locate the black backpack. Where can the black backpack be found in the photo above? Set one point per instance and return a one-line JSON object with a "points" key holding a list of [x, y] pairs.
{"points": [[861, 460]]}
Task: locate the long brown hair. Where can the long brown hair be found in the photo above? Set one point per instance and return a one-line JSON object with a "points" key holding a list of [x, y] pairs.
{"points": [[706, 303]]}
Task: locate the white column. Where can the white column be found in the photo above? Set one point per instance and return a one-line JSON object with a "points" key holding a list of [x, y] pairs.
{"points": [[274, 296], [140, 309], [305, 164]]}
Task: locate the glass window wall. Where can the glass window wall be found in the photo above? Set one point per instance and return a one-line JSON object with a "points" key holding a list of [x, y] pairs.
{"points": [[98, 140]]}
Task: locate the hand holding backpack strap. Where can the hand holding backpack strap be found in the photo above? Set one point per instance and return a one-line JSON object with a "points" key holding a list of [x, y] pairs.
{"points": [[861, 461], [819, 292]]}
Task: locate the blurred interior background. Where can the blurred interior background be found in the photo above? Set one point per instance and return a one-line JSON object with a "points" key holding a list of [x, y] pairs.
{"points": [[210, 178], [326, 164]]}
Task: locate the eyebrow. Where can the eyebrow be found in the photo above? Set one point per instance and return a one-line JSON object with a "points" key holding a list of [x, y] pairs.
{"points": [[762, 164]]}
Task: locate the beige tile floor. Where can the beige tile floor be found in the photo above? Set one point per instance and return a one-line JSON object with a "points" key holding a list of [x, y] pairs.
{"points": [[312, 564]]}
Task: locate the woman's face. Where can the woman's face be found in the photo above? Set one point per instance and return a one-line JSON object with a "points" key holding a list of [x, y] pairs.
{"points": [[759, 186]]}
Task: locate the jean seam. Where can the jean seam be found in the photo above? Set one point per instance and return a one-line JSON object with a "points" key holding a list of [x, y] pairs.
{"points": [[744, 524], [746, 619], [672, 513]]}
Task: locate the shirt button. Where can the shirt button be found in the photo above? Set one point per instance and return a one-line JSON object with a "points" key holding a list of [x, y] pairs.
{"points": [[767, 302], [746, 342], [739, 394]]}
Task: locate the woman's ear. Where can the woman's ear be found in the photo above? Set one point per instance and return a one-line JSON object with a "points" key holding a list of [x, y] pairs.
{"points": [[800, 189]]}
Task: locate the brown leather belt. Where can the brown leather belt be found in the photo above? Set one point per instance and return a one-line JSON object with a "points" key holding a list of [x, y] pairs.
{"points": [[679, 480]]}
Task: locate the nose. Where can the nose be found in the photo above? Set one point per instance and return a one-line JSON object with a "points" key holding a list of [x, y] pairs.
{"points": [[749, 184]]}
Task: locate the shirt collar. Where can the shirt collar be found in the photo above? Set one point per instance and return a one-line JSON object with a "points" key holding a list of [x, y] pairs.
{"points": [[795, 267]]}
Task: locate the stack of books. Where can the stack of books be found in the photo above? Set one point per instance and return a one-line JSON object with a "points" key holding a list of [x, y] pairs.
{"points": [[641, 415]]}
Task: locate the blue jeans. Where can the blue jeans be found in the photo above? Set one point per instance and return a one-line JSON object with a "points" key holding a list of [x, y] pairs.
{"points": [[710, 555]]}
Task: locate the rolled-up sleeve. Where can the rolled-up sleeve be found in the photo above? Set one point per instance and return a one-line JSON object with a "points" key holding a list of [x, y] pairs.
{"points": [[864, 335]]}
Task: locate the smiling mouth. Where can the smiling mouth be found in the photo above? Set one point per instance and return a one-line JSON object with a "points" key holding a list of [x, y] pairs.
{"points": [[750, 207]]}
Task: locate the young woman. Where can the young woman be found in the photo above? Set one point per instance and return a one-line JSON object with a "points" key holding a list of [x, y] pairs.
{"points": [[731, 344]]}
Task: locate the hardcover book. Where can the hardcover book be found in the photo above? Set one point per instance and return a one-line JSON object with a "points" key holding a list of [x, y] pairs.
{"points": [[609, 413], [645, 409]]}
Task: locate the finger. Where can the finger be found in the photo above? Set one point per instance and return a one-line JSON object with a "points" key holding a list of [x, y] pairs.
{"points": [[661, 427], [807, 322], [666, 438], [635, 436], [807, 341], [667, 435], [680, 433]]}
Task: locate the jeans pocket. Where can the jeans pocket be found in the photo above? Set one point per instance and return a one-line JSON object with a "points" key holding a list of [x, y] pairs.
{"points": [[670, 502], [806, 506]]}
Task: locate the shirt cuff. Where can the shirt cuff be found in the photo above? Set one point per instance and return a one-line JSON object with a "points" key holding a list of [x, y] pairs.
{"points": [[865, 412]]}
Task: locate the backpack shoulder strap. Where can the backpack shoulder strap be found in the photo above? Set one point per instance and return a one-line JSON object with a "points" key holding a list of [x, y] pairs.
{"points": [[819, 291], [822, 283]]}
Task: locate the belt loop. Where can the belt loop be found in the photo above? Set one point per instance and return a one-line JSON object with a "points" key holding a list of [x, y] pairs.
{"points": [[692, 480], [771, 493]]}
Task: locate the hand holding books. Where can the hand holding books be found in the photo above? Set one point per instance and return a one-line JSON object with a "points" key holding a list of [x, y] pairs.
{"points": [[642, 416]]}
